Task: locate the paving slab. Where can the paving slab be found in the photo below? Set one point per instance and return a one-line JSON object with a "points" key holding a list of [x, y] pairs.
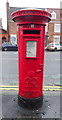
{"points": [[12, 111]]}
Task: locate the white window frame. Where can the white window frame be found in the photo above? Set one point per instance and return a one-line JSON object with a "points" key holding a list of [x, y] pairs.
{"points": [[31, 49], [46, 28], [55, 29], [53, 15], [56, 36]]}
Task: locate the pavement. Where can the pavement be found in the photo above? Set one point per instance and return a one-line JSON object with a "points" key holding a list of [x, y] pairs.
{"points": [[11, 109]]}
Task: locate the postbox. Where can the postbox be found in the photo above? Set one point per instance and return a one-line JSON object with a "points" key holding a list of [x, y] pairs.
{"points": [[31, 35]]}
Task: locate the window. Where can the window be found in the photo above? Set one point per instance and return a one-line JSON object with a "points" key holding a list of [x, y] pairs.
{"points": [[13, 38], [53, 15], [31, 48], [57, 28], [56, 39]]}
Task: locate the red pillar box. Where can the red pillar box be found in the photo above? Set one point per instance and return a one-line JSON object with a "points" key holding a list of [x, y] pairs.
{"points": [[31, 33]]}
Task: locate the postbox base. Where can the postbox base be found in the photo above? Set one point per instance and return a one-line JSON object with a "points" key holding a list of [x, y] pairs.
{"points": [[34, 103]]}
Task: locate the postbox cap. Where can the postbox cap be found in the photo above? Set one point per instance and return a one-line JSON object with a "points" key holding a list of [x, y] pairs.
{"points": [[31, 15]]}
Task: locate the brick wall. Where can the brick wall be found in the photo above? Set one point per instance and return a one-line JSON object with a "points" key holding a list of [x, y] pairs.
{"points": [[51, 32], [3, 35], [12, 27]]}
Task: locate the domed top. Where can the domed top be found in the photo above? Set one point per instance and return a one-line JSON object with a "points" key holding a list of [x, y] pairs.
{"points": [[33, 15]]}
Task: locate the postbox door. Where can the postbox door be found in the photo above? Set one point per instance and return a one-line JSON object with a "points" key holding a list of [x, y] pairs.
{"points": [[34, 54], [34, 59]]}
